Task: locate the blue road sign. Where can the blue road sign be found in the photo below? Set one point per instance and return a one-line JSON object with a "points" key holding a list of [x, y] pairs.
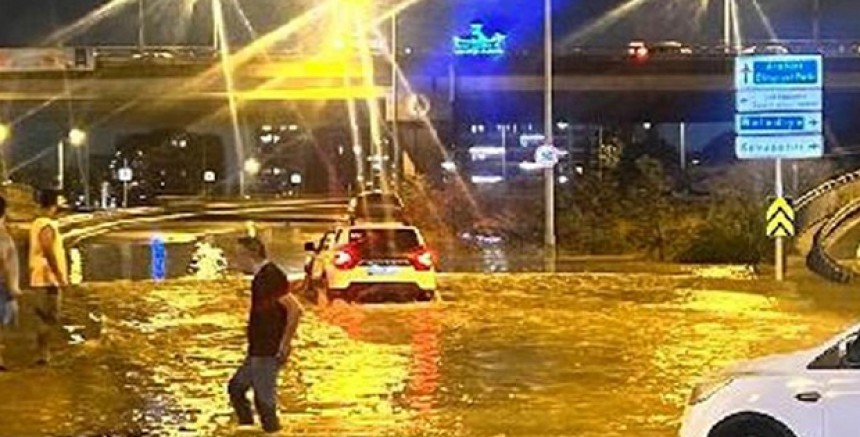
{"points": [[785, 147], [761, 100], [779, 123], [780, 71], [779, 105]]}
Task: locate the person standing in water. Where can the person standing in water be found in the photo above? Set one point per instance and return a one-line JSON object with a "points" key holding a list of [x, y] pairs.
{"points": [[48, 270], [9, 287]]}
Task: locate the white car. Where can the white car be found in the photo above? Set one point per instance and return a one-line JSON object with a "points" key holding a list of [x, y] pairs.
{"points": [[769, 49], [812, 393], [374, 262]]}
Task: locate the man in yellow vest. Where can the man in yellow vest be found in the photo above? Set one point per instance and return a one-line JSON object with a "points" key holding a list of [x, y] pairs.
{"points": [[48, 269]]}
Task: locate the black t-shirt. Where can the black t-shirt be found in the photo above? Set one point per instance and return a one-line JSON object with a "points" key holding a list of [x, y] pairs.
{"points": [[268, 318]]}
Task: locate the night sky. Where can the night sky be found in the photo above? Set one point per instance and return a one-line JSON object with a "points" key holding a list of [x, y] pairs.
{"points": [[27, 22]]}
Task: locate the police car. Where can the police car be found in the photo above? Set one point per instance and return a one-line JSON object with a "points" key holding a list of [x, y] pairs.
{"points": [[372, 263]]}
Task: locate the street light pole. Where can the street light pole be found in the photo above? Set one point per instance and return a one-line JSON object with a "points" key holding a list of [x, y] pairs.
{"points": [[727, 24], [395, 122], [780, 241], [816, 22], [78, 139], [141, 25], [549, 172], [5, 133], [682, 144], [61, 164]]}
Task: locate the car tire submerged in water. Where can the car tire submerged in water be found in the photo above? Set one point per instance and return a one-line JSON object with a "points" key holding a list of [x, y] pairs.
{"points": [[750, 426]]}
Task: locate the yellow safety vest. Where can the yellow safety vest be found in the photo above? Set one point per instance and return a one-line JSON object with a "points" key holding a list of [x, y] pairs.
{"points": [[41, 274]]}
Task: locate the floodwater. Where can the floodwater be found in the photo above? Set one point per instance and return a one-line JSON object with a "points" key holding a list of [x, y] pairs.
{"points": [[519, 354]]}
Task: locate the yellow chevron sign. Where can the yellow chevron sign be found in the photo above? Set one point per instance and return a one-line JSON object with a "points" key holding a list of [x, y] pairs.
{"points": [[780, 219]]}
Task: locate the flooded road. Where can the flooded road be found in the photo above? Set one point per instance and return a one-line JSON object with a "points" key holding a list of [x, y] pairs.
{"points": [[572, 354]]}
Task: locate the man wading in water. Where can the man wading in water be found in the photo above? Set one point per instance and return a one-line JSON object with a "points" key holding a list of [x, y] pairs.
{"points": [[272, 324]]}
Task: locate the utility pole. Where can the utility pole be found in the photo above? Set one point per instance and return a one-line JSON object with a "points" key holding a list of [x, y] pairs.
{"points": [[141, 25], [395, 97], [727, 24], [816, 23], [61, 166], [549, 172]]}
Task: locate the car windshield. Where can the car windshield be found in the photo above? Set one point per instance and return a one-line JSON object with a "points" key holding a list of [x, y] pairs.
{"points": [[372, 243]]}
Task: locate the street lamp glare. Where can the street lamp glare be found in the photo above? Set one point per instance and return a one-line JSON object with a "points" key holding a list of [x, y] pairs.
{"points": [[5, 133], [252, 166], [77, 137]]}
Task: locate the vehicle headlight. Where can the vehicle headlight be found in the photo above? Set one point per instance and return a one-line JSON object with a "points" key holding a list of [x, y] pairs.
{"points": [[709, 387]]}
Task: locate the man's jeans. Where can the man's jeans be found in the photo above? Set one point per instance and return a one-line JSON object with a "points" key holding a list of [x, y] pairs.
{"points": [[261, 375]]}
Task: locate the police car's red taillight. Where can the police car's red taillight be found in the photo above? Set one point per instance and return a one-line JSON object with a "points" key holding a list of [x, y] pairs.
{"points": [[346, 259], [422, 259]]}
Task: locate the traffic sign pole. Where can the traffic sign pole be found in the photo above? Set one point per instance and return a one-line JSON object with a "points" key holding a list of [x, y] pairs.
{"points": [[780, 241], [549, 172]]}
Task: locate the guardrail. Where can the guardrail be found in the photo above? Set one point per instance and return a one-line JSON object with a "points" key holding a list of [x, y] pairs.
{"points": [[80, 227], [826, 199], [819, 260]]}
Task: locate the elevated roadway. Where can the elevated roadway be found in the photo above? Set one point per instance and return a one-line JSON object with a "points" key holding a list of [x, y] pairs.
{"points": [[588, 87]]}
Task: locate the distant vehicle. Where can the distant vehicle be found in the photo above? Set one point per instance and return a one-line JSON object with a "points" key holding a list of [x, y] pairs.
{"points": [[639, 50], [769, 49], [811, 393], [380, 262], [376, 206], [154, 57], [483, 237], [670, 48]]}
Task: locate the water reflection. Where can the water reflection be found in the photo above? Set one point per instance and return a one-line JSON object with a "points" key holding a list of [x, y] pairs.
{"points": [[507, 354], [208, 261], [158, 258], [510, 354]]}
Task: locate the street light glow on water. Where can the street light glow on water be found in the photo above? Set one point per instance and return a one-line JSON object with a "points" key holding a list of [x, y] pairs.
{"points": [[506, 354]]}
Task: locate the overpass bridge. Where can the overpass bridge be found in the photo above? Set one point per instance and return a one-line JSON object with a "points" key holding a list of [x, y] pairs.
{"points": [[589, 87]]}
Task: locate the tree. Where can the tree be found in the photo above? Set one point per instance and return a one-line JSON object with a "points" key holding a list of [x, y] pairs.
{"points": [[651, 208], [733, 227], [589, 216]]}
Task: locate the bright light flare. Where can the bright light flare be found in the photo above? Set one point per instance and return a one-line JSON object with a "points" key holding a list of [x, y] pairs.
{"points": [[606, 21], [765, 20], [252, 166], [701, 8], [736, 26], [105, 11], [5, 133], [77, 137]]}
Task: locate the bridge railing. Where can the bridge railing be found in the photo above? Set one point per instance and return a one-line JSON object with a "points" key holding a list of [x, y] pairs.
{"points": [[819, 259], [826, 199]]}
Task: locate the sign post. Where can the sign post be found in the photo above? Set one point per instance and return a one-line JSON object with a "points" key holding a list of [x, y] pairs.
{"points": [[779, 105], [125, 176], [779, 254]]}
